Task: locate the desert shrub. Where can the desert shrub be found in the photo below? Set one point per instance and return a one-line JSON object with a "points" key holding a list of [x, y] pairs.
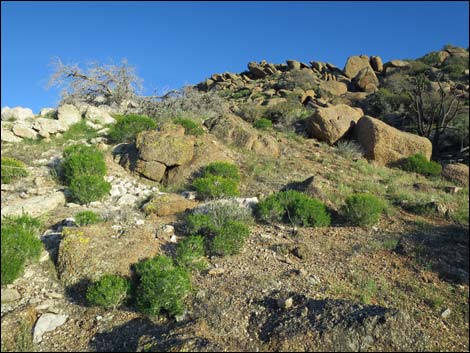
{"points": [[190, 253], [20, 244], [285, 115], [419, 164], [420, 208], [295, 207], [215, 187], [349, 149], [190, 126], [109, 292], [199, 223], [229, 239], [241, 93], [162, 286], [12, 169], [362, 209], [222, 169], [82, 160], [251, 112], [89, 188], [263, 124], [430, 59], [128, 126], [80, 130], [87, 217]]}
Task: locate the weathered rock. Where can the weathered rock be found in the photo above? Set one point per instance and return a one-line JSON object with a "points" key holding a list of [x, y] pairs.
{"points": [[46, 323], [69, 114], [46, 111], [293, 64], [332, 123], [152, 170], [24, 132], [234, 131], [8, 136], [366, 80], [256, 70], [49, 126], [168, 204], [385, 144], [308, 95], [354, 64], [376, 63], [10, 295], [334, 88], [89, 252], [98, 115], [271, 102], [35, 206], [456, 172], [17, 113]]}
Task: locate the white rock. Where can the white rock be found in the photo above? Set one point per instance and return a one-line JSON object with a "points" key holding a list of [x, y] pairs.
{"points": [[17, 113], [10, 295], [68, 114], [24, 132], [99, 116], [35, 206], [46, 323], [446, 313], [49, 126], [45, 111], [128, 199], [8, 136]]}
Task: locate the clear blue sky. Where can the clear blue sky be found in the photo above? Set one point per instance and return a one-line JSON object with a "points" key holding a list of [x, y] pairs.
{"points": [[177, 43]]}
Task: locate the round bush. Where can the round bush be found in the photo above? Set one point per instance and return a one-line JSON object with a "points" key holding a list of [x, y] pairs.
{"points": [[163, 286], [190, 126], [419, 164], [20, 243], [271, 209], [87, 217], [190, 253], [128, 126], [12, 169], [89, 188], [82, 160], [229, 239], [362, 209], [109, 292], [215, 186], [223, 169], [263, 124]]}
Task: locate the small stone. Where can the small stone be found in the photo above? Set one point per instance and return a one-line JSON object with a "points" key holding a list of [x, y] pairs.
{"points": [[47, 322], [216, 271], [139, 222], [72, 205], [55, 295], [285, 303], [173, 239], [10, 295], [446, 313]]}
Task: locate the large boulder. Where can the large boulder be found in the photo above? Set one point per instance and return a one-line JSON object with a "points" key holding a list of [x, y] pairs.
{"points": [[334, 88], [46, 127], [8, 136], [35, 206], [331, 123], [456, 172], [376, 63], [354, 64], [98, 115], [24, 131], [235, 131], [168, 204], [366, 80], [17, 113], [69, 114], [385, 144], [256, 70]]}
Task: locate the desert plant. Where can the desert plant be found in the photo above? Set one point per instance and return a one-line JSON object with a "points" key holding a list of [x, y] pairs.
{"points": [[241, 94], [12, 169], [190, 253], [419, 164], [222, 169], [229, 239], [20, 244], [294, 207], [349, 149], [110, 291], [87, 217], [82, 160], [89, 188], [263, 124], [215, 187], [162, 286], [128, 126], [362, 209], [80, 130], [190, 126]]}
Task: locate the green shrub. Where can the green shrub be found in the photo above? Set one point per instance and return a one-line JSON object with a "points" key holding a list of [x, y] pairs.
{"points": [[229, 239], [199, 223], [20, 243], [87, 217], [190, 126], [89, 188], [263, 124], [223, 169], [163, 286], [421, 208], [349, 149], [241, 93], [12, 169], [109, 292], [128, 126], [215, 187], [293, 206], [190, 253], [82, 160], [80, 130], [419, 164], [362, 209]]}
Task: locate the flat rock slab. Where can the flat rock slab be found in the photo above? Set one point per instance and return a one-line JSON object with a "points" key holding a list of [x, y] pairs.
{"points": [[35, 206], [10, 295], [46, 323]]}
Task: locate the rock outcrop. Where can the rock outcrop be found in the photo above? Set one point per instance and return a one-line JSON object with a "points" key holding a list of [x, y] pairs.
{"points": [[456, 172]]}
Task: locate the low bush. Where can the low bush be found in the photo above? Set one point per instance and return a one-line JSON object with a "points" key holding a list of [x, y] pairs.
{"points": [[349, 149], [128, 126], [263, 124], [419, 164], [87, 217], [229, 239], [295, 207], [12, 169], [162, 286], [190, 253], [20, 244], [362, 209], [89, 188], [215, 187], [222, 169], [241, 94], [80, 130], [80, 160], [109, 292], [190, 126]]}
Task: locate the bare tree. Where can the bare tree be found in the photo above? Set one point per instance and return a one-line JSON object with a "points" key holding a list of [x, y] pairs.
{"points": [[433, 110], [112, 83]]}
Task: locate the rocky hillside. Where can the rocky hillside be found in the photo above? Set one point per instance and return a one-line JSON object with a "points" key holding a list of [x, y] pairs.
{"points": [[290, 207]]}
